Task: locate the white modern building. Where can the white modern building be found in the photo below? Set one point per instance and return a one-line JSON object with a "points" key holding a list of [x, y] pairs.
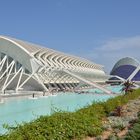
{"points": [[28, 67], [127, 68]]}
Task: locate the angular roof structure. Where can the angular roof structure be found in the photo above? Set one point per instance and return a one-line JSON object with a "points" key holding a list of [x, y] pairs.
{"points": [[29, 67]]}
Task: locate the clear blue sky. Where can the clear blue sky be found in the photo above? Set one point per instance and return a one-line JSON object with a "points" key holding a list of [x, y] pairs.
{"points": [[87, 28]]}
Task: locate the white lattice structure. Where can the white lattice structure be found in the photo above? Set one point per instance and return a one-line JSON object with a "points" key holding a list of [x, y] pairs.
{"points": [[29, 67]]}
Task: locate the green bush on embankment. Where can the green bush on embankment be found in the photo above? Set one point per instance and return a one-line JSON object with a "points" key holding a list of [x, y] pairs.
{"points": [[134, 132], [66, 125]]}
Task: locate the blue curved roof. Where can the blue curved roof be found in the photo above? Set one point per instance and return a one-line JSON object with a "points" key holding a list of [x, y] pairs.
{"points": [[125, 67]]}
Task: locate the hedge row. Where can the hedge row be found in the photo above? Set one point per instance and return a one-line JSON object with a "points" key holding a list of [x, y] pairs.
{"points": [[66, 125]]}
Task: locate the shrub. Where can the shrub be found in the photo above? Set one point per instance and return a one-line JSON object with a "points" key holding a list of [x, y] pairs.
{"points": [[66, 125], [134, 132]]}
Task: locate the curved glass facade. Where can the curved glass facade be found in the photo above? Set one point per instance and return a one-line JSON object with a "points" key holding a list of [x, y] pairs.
{"points": [[126, 67]]}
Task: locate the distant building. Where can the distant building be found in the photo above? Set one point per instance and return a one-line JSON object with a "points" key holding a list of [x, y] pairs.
{"points": [[127, 68], [28, 67]]}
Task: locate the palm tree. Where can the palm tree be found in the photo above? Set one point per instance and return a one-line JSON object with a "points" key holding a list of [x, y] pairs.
{"points": [[128, 86]]}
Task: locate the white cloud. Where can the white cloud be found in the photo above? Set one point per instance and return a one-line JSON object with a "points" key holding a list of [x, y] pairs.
{"points": [[121, 43], [113, 50]]}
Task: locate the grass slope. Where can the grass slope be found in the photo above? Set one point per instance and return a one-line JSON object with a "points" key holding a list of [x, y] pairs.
{"points": [[66, 125]]}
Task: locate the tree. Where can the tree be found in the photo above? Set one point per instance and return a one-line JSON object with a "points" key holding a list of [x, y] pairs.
{"points": [[128, 86]]}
